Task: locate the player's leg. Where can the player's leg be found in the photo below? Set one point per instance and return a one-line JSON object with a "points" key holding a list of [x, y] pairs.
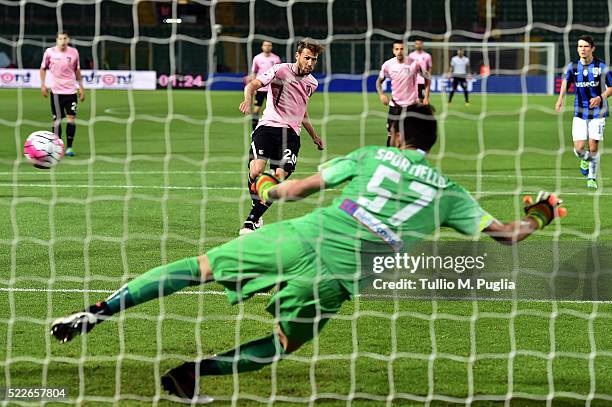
{"points": [[596, 130], [260, 98], [258, 208], [302, 306], [465, 91], [258, 158], [69, 105], [287, 154], [282, 145], [57, 114], [580, 136], [453, 89], [157, 282], [421, 92], [392, 116], [250, 256]]}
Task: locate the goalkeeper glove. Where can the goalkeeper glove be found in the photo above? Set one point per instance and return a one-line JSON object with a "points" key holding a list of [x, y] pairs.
{"points": [[263, 184], [547, 206]]}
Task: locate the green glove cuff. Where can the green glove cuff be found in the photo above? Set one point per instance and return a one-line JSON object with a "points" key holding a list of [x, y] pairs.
{"points": [[539, 217], [264, 190]]}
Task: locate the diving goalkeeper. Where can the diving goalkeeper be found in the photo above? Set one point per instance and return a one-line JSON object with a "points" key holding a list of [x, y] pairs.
{"points": [[392, 196]]}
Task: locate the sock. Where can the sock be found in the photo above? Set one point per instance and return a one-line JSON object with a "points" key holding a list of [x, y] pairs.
{"points": [[158, 282], [593, 165], [467, 98], [255, 120], [257, 208], [257, 211], [583, 155], [247, 357], [388, 141], [450, 97], [250, 182], [57, 129], [70, 130]]}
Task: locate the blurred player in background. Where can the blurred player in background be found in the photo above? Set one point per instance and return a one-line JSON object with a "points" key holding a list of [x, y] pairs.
{"points": [[62, 61], [590, 105], [403, 73], [459, 71], [261, 63], [314, 260], [419, 54], [277, 136]]}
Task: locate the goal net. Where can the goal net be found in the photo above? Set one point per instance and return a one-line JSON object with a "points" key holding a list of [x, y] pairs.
{"points": [[160, 174]]}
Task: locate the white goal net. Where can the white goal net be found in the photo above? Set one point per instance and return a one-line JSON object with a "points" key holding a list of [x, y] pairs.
{"points": [[160, 174]]}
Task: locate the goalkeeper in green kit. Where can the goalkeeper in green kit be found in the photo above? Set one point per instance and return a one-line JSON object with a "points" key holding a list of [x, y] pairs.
{"points": [[392, 198]]}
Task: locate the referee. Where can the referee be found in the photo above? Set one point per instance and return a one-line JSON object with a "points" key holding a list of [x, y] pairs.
{"points": [[459, 70]]}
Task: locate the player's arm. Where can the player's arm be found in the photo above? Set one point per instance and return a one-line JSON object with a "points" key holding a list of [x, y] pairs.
{"points": [[312, 132], [596, 101], [249, 92], [562, 92], [424, 72], [79, 78], [538, 215], [427, 91], [270, 189], [332, 173], [43, 75], [384, 99], [569, 77]]}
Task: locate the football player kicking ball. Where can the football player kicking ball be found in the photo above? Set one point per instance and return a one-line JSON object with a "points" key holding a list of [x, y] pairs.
{"points": [[314, 260], [62, 61], [277, 136], [592, 81]]}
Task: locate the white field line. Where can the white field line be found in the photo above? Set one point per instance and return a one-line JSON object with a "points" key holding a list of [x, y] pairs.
{"points": [[205, 188], [243, 172], [218, 292]]}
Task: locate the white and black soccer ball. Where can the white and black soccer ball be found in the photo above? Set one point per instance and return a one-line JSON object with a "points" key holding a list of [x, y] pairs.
{"points": [[43, 149]]}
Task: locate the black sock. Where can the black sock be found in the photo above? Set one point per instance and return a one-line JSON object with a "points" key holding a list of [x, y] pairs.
{"points": [[70, 130], [467, 98], [257, 208], [388, 141], [450, 98], [257, 211], [57, 129]]}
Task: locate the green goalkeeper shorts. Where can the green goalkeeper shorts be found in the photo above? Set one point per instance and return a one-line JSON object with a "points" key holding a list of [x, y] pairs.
{"points": [[275, 256]]}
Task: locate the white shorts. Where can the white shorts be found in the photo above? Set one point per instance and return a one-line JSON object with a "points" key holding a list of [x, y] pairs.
{"points": [[583, 129]]}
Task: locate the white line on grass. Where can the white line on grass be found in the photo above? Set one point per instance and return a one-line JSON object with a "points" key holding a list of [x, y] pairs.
{"points": [[173, 187], [217, 292], [92, 291], [223, 172], [201, 188]]}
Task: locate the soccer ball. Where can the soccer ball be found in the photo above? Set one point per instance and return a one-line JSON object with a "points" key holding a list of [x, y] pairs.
{"points": [[44, 149]]}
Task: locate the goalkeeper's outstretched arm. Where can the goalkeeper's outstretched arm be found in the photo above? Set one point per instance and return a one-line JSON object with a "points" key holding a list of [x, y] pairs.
{"points": [[269, 188], [547, 206], [509, 233]]}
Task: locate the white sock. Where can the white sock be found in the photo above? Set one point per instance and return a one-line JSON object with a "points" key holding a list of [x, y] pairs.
{"points": [[583, 155], [593, 166]]}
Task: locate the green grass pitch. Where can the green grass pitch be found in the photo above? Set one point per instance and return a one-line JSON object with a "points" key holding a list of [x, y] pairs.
{"points": [[159, 176]]}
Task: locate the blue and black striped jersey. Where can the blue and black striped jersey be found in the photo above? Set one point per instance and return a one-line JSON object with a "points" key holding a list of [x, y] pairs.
{"points": [[587, 80]]}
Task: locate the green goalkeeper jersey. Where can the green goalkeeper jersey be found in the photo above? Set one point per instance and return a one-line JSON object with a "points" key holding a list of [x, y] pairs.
{"points": [[393, 198]]}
